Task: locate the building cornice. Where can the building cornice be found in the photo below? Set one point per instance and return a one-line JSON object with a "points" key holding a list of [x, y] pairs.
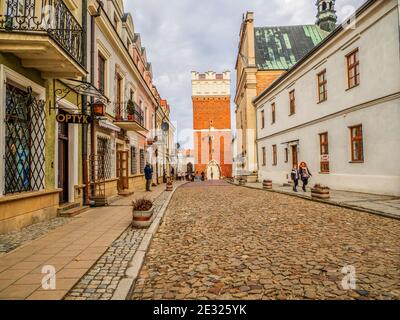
{"points": [[340, 113], [105, 25]]}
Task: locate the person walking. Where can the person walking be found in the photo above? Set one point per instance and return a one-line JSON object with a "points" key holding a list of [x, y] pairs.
{"points": [[295, 177], [305, 174], [148, 174], [203, 176]]}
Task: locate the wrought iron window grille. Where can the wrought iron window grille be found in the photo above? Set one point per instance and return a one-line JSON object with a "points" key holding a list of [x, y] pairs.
{"points": [[125, 112], [24, 141]]}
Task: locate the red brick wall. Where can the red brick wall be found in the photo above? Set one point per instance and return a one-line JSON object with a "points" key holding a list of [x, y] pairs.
{"points": [[217, 110], [265, 79]]}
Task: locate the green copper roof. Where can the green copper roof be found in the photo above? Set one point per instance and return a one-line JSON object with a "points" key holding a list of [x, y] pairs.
{"points": [[279, 48]]}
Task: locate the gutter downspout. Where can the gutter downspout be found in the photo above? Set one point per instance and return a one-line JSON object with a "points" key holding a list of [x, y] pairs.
{"points": [[256, 143], [92, 68], [85, 167], [156, 151]]}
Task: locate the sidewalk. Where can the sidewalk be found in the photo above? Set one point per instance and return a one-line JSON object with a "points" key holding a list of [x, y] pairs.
{"points": [[376, 204], [72, 249]]}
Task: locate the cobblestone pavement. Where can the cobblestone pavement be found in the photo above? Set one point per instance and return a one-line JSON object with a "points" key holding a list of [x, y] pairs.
{"points": [[228, 242], [15, 239], [101, 281], [387, 205]]}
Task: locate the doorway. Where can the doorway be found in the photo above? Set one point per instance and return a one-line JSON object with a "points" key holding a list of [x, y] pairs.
{"points": [[63, 161], [295, 159], [122, 170], [213, 171]]}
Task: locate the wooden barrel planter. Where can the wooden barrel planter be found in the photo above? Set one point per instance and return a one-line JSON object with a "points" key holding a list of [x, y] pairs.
{"points": [[267, 184], [169, 187], [320, 192], [142, 219]]}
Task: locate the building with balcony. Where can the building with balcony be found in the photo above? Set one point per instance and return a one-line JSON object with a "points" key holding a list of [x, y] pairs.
{"points": [[338, 109], [121, 72], [41, 45]]}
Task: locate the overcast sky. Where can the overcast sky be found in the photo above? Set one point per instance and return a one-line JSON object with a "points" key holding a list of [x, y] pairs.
{"points": [[201, 35]]}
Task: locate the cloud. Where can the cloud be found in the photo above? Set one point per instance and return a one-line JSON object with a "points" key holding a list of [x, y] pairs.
{"points": [[185, 35]]}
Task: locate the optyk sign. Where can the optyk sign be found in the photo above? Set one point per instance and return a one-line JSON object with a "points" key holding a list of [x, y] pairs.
{"points": [[74, 118]]}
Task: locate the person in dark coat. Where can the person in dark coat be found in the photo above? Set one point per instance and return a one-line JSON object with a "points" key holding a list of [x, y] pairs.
{"points": [[295, 174], [203, 176], [148, 174], [305, 175]]}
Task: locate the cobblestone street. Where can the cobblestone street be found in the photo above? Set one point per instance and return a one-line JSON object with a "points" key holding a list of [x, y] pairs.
{"points": [[227, 242]]}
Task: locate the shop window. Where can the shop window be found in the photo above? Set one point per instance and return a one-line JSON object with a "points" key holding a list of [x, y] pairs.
{"points": [[324, 152], [133, 160], [104, 158], [24, 141], [142, 161]]}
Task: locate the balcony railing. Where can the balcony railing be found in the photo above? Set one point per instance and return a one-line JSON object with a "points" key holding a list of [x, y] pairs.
{"points": [[125, 113], [48, 16]]}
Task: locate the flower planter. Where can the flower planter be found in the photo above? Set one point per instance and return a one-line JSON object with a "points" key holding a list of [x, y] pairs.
{"points": [[267, 184], [242, 182], [320, 193], [142, 219], [131, 117], [170, 187]]}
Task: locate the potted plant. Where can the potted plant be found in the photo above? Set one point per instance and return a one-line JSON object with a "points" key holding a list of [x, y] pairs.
{"points": [[130, 109], [143, 210], [320, 192], [267, 184], [242, 181], [170, 186]]}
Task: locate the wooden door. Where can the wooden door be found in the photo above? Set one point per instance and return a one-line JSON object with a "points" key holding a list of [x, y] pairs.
{"points": [[63, 161], [295, 161], [123, 170]]}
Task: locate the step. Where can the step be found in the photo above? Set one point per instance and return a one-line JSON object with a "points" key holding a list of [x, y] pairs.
{"points": [[125, 193], [67, 206], [74, 212]]}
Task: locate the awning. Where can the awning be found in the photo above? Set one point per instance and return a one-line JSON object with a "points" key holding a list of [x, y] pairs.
{"points": [[109, 125], [85, 88]]}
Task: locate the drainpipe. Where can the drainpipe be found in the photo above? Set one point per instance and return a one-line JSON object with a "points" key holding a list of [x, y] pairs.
{"points": [[256, 143], [92, 69], [85, 168], [155, 132]]}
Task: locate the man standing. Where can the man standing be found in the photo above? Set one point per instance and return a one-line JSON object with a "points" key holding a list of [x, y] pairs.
{"points": [[148, 174]]}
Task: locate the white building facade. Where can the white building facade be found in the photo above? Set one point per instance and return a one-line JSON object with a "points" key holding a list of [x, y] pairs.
{"points": [[338, 109]]}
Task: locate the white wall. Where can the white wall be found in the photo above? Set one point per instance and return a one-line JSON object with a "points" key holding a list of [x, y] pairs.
{"points": [[374, 104]]}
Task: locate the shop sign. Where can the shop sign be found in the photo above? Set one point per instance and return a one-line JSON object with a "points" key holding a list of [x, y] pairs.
{"points": [[74, 118]]}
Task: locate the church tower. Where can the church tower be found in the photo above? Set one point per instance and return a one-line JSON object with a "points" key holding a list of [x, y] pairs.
{"points": [[212, 124], [326, 17]]}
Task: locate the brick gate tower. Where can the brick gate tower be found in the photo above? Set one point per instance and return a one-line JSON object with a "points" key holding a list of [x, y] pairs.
{"points": [[212, 124]]}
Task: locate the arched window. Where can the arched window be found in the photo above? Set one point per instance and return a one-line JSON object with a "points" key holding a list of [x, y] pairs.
{"points": [[324, 6]]}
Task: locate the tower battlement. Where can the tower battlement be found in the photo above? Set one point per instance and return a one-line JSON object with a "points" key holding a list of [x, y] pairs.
{"points": [[211, 83]]}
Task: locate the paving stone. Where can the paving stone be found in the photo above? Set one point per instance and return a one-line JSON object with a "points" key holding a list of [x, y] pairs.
{"points": [[111, 267], [267, 246]]}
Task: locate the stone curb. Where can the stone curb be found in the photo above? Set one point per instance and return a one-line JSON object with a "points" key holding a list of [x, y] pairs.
{"points": [[125, 286], [330, 202]]}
